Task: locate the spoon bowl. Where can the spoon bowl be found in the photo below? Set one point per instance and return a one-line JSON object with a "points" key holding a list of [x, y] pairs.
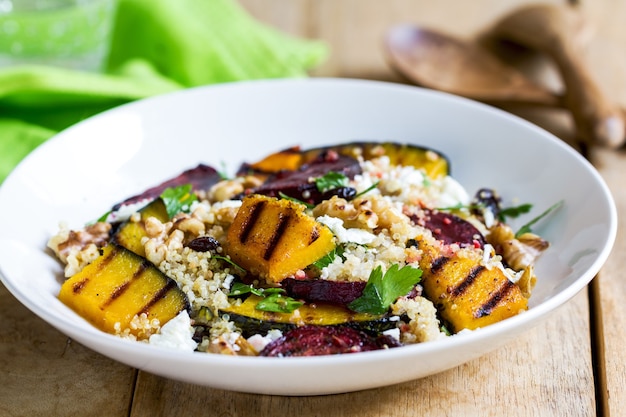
{"points": [[551, 30], [436, 60]]}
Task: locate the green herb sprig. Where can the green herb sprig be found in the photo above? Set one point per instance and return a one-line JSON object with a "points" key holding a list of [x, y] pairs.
{"points": [[228, 261], [383, 290], [328, 259], [368, 189], [527, 227], [514, 212], [273, 300], [331, 181], [178, 199], [511, 212], [295, 200]]}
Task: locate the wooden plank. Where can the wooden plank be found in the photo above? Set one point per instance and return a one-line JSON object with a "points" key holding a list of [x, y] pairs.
{"points": [[42, 372], [546, 372], [611, 291], [605, 56]]}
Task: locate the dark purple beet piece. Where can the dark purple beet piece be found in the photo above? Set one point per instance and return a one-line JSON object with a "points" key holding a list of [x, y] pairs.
{"points": [[320, 290], [297, 184], [450, 228], [326, 340], [201, 177]]}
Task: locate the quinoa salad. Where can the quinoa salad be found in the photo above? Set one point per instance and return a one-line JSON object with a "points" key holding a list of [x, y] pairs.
{"points": [[339, 249]]}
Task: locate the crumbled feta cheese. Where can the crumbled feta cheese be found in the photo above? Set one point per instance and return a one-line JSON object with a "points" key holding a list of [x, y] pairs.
{"points": [[259, 342], [489, 218], [127, 210], [359, 236], [452, 193], [227, 204], [228, 281], [176, 334], [395, 333]]}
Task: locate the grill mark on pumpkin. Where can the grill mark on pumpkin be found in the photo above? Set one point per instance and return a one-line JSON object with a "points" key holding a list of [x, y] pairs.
{"points": [[119, 291], [488, 306], [467, 281], [315, 234], [78, 286], [158, 295], [438, 264], [279, 231], [251, 221]]}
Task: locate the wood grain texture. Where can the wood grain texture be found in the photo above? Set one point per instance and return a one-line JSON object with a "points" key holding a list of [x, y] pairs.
{"points": [[605, 53], [611, 289], [546, 372], [42, 372]]}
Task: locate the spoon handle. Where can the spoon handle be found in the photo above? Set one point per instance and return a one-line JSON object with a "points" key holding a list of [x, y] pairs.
{"points": [[597, 120], [548, 29]]}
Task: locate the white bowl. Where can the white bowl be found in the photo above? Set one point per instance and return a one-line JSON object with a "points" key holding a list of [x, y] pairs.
{"points": [[76, 176]]}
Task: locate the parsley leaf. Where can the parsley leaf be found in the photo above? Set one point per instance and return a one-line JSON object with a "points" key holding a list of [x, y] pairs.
{"points": [[273, 299], [278, 303], [330, 181], [526, 228], [382, 290], [514, 212], [177, 199], [329, 257], [239, 288]]}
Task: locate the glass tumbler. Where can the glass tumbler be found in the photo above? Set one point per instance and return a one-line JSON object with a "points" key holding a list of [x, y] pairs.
{"points": [[67, 33]]}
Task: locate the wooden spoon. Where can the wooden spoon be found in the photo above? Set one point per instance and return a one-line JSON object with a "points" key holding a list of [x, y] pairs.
{"points": [[442, 62], [550, 29]]}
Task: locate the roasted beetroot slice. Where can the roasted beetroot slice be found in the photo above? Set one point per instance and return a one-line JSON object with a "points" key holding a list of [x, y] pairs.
{"points": [[297, 184], [326, 340], [320, 290], [201, 177], [450, 228]]}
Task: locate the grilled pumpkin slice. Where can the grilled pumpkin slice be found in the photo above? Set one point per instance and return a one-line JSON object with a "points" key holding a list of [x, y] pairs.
{"points": [[252, 321], [119, 285], [435, 164], [274, 238], [467, 294], [130, 233]]}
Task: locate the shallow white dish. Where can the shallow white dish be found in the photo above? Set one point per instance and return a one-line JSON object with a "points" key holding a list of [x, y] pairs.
{"points": [[79, 174]]}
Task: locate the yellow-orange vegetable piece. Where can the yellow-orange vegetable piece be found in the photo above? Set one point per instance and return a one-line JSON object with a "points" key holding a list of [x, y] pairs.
{"points": [[467, 294], [275, 238], [319, 314], [130, 233], [288, 159], [119, 285]]}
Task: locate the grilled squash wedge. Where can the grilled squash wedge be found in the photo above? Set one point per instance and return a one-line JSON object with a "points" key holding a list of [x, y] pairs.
{"points": [[119, 285], [435, 164], [467, 294], [130, 233], [252, 321], [274, 238]]}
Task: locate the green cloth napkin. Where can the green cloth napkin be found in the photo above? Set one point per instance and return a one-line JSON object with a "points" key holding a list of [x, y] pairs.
{"points": [[157, 46]]}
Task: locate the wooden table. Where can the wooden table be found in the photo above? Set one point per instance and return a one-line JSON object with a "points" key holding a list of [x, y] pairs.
{"points": [[573, 365]]}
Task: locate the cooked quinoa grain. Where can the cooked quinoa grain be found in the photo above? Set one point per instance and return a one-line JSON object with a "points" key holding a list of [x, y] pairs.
{"points": [[383, 226]]}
